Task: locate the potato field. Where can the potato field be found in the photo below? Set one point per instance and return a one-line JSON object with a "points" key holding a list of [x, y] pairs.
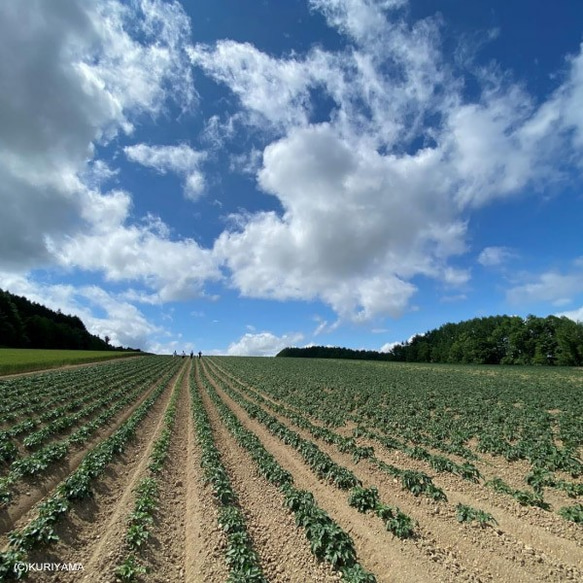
{"points": [[170, 469]]}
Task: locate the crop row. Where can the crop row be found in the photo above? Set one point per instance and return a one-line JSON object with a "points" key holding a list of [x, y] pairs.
{"points": [[40, 532], [26, 395], [418, 482], [39, 461], [95, 396], [141, 520], [240, 555], [528, 414], [415, 482], [328, 541]]}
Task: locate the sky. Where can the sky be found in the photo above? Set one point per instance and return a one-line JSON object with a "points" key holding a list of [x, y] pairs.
{"points": [[237, 176]]}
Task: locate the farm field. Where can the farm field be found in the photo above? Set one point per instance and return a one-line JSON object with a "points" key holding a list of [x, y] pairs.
{"points": [[249, 469], [17, 360]]}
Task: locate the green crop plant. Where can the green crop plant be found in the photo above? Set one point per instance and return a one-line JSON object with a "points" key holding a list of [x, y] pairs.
{"points": [[364, 499], [572, 513], [130, 570], [468, 514], [396, 522]]}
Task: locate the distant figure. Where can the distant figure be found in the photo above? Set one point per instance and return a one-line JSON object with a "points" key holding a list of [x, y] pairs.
{"points": [[174, 353], [191, 354], [183, 354], [199, 354]]}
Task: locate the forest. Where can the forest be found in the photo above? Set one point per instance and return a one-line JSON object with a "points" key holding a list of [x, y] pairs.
{"points": [[490, 340], [26, 324]]}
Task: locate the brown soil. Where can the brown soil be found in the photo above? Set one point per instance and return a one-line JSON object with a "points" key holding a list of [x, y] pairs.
{"points": [[93, 531], [283, 549], [186, 544], [30, 491], [528, 544]]}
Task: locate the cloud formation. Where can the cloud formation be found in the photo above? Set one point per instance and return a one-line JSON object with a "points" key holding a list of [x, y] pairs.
{"points": [[78, 76], [375, 154], [494, 256], [182, 160], [262, 344], [376, 192]]}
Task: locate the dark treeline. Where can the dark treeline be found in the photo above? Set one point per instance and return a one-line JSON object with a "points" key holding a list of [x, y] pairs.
{"points": [[26, 324], [335, 352], [493, 340]]}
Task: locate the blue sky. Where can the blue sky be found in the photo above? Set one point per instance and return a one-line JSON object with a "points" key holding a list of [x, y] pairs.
{"points": [[236, 177]]}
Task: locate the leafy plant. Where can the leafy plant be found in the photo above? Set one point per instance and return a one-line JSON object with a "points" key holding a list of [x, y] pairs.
{"points": [[130, 570], [572, 513], [364, 499], [397, 522], [468, 514]]}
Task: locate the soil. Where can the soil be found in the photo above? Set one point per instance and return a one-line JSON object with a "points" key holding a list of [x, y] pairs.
{"points": [[527, 544], [186, 544]]}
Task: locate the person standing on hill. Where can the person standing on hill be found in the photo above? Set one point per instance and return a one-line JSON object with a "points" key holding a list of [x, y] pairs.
{"points": [[199, 354]]}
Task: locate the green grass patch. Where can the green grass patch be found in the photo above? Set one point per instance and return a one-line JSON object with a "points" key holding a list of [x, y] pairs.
{"points": [[17, 360]]}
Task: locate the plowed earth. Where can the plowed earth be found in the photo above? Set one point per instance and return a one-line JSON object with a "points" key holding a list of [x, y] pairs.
{"points": [[186, 543]]}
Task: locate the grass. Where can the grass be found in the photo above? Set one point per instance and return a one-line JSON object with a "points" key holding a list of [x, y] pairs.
{"points": [[17, 360]]}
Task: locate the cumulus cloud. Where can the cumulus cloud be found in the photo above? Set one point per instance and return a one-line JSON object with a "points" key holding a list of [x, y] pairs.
{"points": [[262, 344], [77, 77], [576, 315], [182, 160], [102, 312], [380, 191], [347, 235], [388, 346], [174, 270], [376, 178]]}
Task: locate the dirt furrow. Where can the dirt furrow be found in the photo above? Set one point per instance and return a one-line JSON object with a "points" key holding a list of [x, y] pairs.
{"points": [[390, 559], [282, 547], [186, 541], [204, 559], [539, 528], [28, 494], [93, 533], [491, 554], [521, 542]]}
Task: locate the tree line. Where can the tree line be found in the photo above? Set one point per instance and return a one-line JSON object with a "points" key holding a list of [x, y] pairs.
{"points": [[26, 324], [491, 340]]}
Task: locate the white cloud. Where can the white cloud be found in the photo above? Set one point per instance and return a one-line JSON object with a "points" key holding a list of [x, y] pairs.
{"points": [[275, 90], [262, 344], [576, 315], [388, 346], [550, 286], [356, 226], [121, 321], [375, 196], [174, 270], [81, 73], [494, 256], [182, 160]]}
